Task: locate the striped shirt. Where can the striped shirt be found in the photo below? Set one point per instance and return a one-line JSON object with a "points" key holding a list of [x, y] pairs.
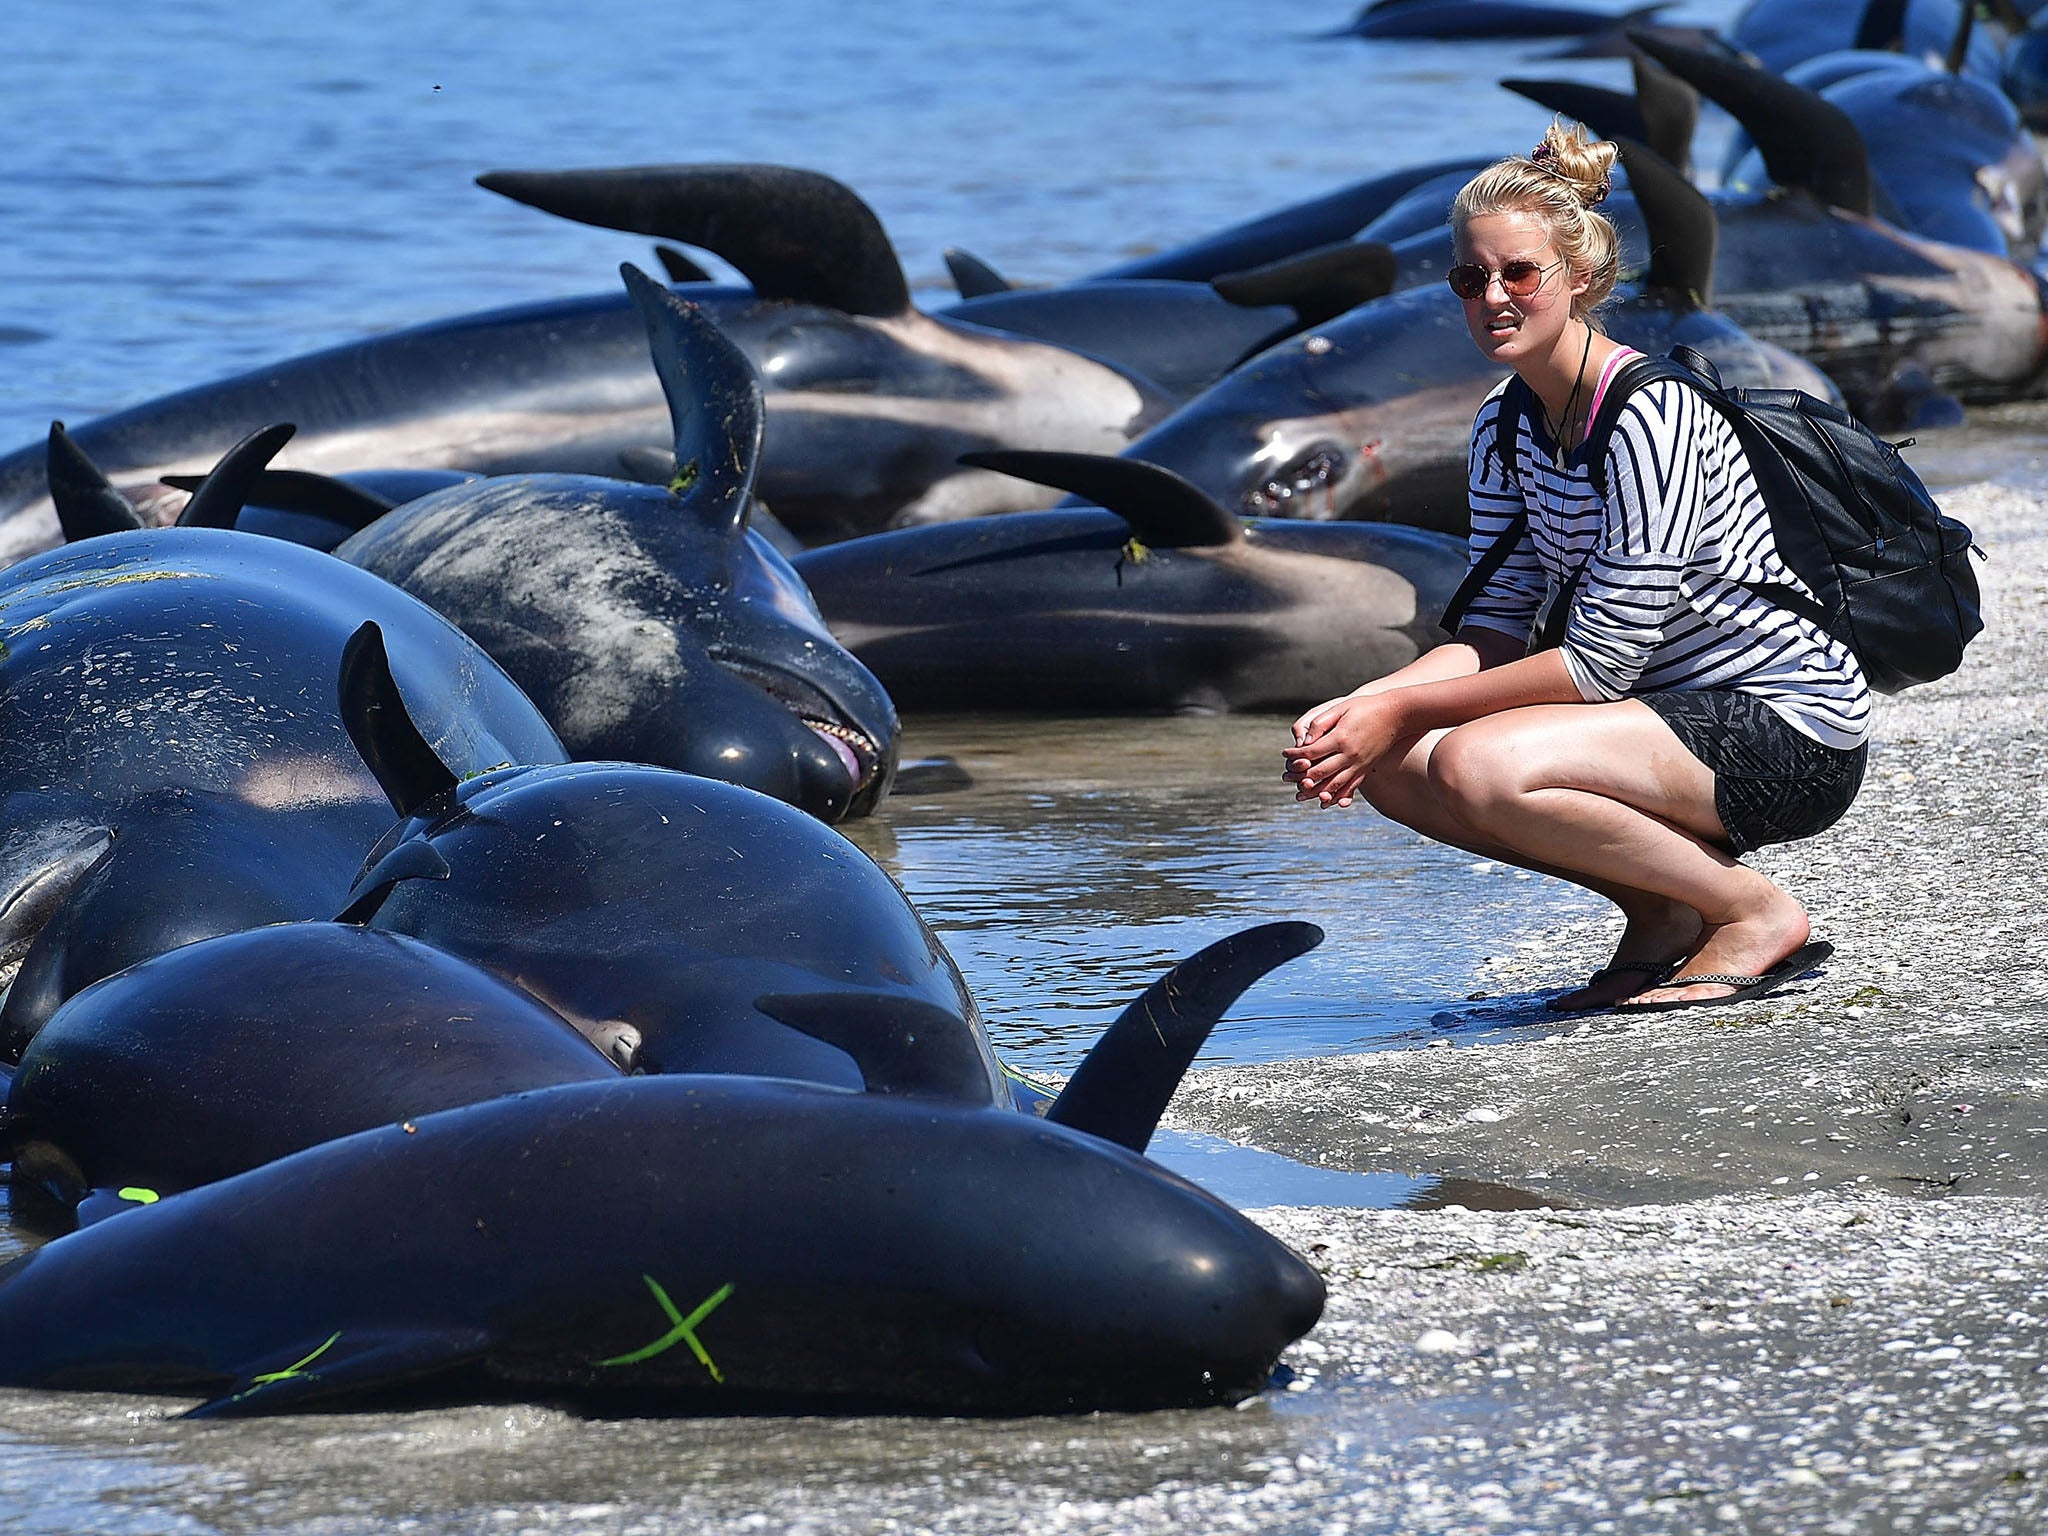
{"points": [[1657, 608]]}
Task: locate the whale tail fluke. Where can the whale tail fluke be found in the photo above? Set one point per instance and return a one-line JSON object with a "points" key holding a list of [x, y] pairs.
{"points": [[87, 503], [1122, 1089], [1318, 284], [301, 490]]}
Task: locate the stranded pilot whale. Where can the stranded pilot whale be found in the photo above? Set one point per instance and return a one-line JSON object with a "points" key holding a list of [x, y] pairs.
{"points": [[1155, 599], [870, 402], [175, 763], [650, 623], [682, 1243], [219, 1056], [652, 909], [1370, 416]]}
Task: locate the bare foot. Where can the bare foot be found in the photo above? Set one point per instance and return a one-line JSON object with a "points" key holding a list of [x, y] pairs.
{"points": [[1652, 946], [1748, 946]]}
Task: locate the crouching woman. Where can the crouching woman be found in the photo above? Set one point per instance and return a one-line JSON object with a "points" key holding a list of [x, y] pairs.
{"points": [[1616, 709]]}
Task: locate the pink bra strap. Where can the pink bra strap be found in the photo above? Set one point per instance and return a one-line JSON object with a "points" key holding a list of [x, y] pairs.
{"points": [[1619, 356]]}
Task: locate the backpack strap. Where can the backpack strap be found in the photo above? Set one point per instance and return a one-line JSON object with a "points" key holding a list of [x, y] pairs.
{"points": [[1696, 371], [1512, 416], [1630, 377], [1482, 572]]}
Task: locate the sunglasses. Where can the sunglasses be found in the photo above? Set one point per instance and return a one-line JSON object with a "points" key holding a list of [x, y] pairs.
{"points": [[1520, 277]]}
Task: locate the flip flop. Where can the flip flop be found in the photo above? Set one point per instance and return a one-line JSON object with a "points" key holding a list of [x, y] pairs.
{"points": [[1653, 973], [1791, 968]]}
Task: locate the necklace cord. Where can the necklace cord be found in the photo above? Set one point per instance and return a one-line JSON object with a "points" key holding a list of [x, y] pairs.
{"points": [[1564, 422]]}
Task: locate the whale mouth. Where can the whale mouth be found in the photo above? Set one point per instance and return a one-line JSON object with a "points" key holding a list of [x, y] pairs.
{"points": [[858, 752]]}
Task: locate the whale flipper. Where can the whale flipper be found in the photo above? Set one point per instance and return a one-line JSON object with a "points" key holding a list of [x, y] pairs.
{"points": [[714, 404], [902, 1045], [1164, 510], [413, 859], [1806, 142], [406, 768], [87, 503], [301, 490], [40, 893], [973, 277], [1122, 1088], [347, 1361], [794, 234], [1317, 285]]}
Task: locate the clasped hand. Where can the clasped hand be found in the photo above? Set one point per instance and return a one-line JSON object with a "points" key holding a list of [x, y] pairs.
{"points": [[1336, 745]]}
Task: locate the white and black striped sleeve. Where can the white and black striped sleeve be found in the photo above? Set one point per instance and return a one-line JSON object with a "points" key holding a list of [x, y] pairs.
{"points": [[1656, 500], [1511, 596]]}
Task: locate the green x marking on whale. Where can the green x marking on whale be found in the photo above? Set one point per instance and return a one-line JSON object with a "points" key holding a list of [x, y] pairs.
{"points": [[296, 1368], [683, 1330]]}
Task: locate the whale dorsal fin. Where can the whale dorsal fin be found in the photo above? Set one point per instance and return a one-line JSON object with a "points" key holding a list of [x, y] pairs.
{"points": [[1122, 1088], [406, 768], [1662, 113], [1317, 285], [678, 265], [300, 490], [225, 491], [714, 404], [1806, 142], [1959, 45], [972, 277], [1163, 510], [1680, 223], [793, 234], [902, 1045], [87, 503]]}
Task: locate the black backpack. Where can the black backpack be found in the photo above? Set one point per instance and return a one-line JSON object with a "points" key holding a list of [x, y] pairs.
{"points": [[1889, 570]]}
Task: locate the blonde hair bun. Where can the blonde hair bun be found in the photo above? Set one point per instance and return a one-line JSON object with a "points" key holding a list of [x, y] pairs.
{"points": [[1586, 165]]}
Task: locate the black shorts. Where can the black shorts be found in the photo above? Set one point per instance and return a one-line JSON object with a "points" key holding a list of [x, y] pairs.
{"points": [[1772, 782]]}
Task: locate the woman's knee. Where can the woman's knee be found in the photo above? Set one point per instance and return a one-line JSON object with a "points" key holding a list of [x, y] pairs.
{"points": [[1473, 776]]}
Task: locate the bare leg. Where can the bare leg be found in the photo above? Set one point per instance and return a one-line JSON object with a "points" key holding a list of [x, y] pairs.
{"points": [[1603, 795], [1657, 930]]}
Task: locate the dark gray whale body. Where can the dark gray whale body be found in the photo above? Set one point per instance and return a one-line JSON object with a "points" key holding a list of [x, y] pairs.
{"points": [[650, 623], [226, 1054], [700, 1244], [870, 402], [1163, 601], [175, 762]]}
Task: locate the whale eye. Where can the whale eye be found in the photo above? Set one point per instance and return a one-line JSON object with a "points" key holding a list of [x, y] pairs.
{"points": [[1282, 495]]}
